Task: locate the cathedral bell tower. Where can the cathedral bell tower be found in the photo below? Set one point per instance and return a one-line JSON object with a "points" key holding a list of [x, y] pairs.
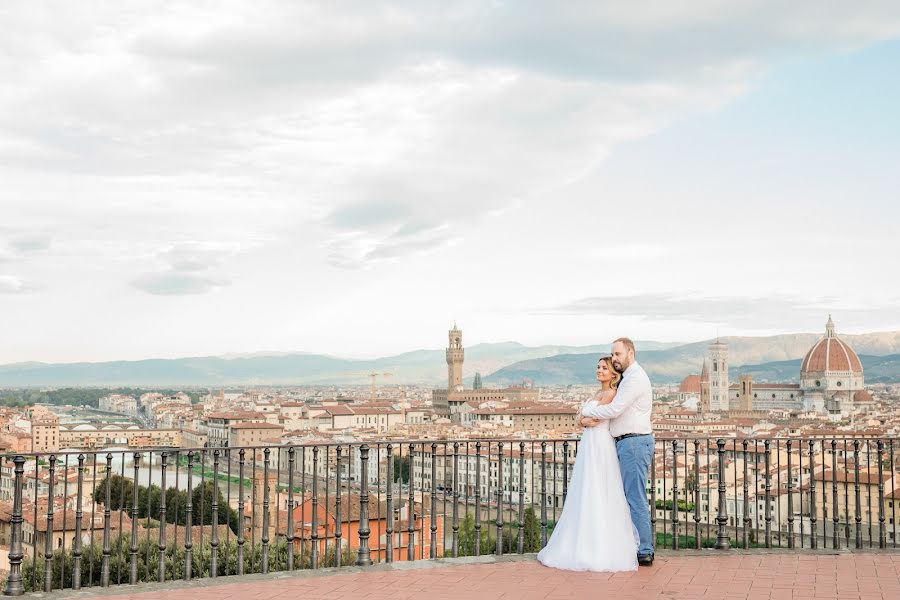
{"points": [[718, 376], [455, 358]]}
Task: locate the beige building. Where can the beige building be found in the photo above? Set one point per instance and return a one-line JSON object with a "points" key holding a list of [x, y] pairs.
{"points": [[528, 416], [45, 434], [218, 425], [191, 438], [254, 434], [379, 418]]}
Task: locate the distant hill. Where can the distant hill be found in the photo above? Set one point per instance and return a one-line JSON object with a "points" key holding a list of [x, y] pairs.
{"points": [[878, 369], [673, 364], [263, 368], [500, 363], [579, 369]]}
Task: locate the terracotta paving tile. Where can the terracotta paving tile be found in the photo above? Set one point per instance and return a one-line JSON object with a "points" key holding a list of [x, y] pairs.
{"points": [[674, 576]]}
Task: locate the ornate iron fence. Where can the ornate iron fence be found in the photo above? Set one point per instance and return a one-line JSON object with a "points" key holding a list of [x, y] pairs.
{"points": [[100, 518]]}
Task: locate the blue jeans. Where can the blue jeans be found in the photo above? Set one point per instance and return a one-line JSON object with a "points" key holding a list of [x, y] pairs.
{"points": [[634, 463]]}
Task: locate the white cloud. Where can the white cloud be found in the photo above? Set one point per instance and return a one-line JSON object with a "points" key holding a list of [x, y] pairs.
{"points": [[408, 112], [14, 285], [179, 149], [738, 312], [178, 284], [30, 243], [197, 256]]}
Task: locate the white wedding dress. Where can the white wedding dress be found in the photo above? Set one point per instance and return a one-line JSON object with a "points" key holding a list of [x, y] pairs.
{"points": [[594, 532]]}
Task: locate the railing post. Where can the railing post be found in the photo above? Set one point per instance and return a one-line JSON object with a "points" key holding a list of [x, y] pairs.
{"points": [[768, 490], [696, 494], [722, 542], [882, 538], [858, 510], [432, 551], [478, 497], [338, 534], [746, 507], [314, 551], [653, 494], [543, 494], [389, 529], [290, 515], [835, 517], [813, 518], [455, 540], [161, 558], [104, 571], [411, 509], [520, 547], [48, 545], [133, 550], [189, 521], [265, 516], [565, 481], [499, 548], [240, 531], [77, 549], [364, 558], [790, 498], [214, 532], [674, 494], [14, 582]]}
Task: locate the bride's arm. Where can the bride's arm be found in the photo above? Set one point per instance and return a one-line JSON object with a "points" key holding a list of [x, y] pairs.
{"points": [[584, 421], [624, 397]]}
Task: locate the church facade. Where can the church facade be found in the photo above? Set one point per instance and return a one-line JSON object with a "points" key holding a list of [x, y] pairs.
{"points": [[831, 380]]}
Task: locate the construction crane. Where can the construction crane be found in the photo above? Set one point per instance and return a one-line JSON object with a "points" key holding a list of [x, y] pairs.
{"points": [[374, 376]]}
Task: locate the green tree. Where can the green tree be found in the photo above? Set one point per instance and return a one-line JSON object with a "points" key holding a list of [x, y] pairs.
{"points": [[122, 494], [466, 543], [401, 469], [532, 531]]}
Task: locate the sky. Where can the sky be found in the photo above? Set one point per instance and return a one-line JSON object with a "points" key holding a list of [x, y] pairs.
{"points": [[184, 179]]}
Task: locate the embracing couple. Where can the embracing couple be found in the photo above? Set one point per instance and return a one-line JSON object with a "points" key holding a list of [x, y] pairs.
{"points": [[605, 523]]}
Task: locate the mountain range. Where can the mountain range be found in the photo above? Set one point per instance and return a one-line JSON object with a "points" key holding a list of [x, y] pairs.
{"points": [[775, 357]]}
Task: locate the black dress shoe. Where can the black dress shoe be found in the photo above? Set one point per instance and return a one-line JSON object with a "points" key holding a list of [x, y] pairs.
{"points": [[646, 560]]}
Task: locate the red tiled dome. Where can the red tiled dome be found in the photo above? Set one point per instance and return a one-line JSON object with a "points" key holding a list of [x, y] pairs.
{"points": [[862, 396], [690, 385], [831, 354]]}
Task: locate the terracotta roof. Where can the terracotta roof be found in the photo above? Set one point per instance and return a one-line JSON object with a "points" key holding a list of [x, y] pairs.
{"points": [[336, 410], [238, 414], [256, 426], [374, 410], [690, 385]]}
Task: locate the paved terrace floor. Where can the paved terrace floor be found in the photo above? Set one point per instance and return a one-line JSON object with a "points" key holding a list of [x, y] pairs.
{"points": [[684, 575]]}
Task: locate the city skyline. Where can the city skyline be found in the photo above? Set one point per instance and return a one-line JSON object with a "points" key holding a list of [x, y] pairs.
{"points": [[348, 180]]}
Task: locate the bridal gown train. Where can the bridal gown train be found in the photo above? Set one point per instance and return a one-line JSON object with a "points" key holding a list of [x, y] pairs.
{"points": [[594, 532]]}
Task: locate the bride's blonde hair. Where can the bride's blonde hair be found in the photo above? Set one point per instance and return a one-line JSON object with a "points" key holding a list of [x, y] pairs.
{"points": [[617, 377]]}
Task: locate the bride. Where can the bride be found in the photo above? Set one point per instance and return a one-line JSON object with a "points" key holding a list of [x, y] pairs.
{"points": [[594, 532]]}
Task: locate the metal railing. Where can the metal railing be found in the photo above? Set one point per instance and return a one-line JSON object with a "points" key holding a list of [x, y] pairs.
{"points": [[111, 517]]}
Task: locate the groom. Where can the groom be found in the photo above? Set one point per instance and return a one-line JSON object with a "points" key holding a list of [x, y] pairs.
{"points": [[629, 424]]}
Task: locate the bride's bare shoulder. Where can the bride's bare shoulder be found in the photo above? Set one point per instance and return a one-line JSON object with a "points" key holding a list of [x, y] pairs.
{"points": [[607, 396]]}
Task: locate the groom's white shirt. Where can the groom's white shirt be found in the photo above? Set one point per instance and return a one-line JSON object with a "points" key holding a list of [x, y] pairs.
{"points": [[629, 412]]}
